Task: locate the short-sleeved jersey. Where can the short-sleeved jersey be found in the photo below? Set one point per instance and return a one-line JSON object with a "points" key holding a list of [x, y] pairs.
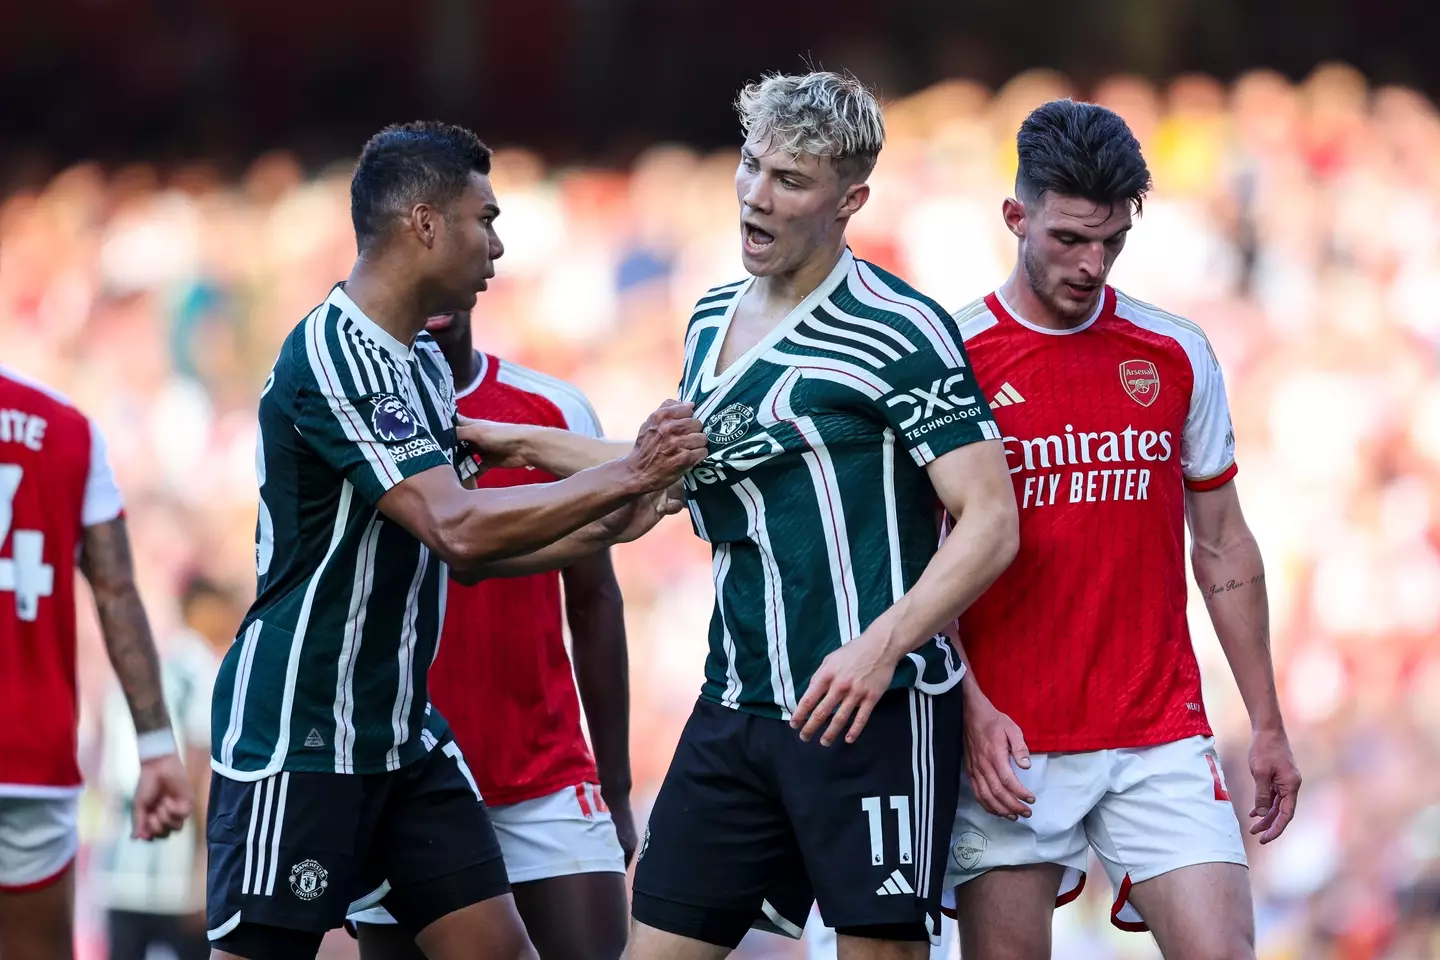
{"points": [[502, 677], [329, 670], [55, 480], [814, 496], [1083, 641]]}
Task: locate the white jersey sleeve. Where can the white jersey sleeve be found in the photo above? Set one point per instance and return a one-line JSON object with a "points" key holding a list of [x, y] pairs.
{"points": [[103, 502], [580, 416], [1207, 450]]}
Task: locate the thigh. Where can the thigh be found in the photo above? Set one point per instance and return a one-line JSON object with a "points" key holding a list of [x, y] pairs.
{"points": [[563, 833], [649, 943], [582, 916], [873, 818], [1167, 809], [386, 941], [1199, 912], [718, 838], [35, 924], [434, 844], [185, 935], [129, 935], [1006, 913], [285, 853]]}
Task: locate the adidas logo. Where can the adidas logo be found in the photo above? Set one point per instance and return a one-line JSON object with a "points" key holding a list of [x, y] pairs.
{"points": [[894, 884], [1006, 395], [313, 738]]}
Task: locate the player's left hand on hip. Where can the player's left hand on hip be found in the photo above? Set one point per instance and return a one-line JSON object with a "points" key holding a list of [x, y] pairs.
{"points": [[162, 798], [624, 820], [1277, 784], [848, 684]]}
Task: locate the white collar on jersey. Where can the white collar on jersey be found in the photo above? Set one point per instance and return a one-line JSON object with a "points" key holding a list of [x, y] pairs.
{"points": [[482, 365], [1015, 315], [339, 298]]}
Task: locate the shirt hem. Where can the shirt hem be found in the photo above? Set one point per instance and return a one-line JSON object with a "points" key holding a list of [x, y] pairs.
{"points": [[495, 797], [1090, 745], [30, 791]]}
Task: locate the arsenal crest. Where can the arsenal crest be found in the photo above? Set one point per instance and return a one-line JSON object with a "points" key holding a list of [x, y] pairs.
{"points": [[1141, 380]]}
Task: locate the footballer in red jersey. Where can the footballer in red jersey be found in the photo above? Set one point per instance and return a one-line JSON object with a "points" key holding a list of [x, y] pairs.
{"points": [[59, 506], [503, 680], [1085, 724]]}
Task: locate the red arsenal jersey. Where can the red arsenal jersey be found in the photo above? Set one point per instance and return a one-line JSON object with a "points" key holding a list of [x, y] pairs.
{"points": [[1083, 641], [502, 677], [54, 481]]}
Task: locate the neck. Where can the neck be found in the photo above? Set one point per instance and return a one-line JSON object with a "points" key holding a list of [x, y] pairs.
{"points": [[388, 298], [464, 361], [1022, 297], [788, 289]]}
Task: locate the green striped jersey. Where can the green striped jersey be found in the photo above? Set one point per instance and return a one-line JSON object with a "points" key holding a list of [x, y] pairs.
{"points": [[328, 672], [814, 495]]}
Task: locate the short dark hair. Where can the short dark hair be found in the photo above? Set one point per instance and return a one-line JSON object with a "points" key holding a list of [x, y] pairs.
{"points": [[1080, 150], [409, 163]]}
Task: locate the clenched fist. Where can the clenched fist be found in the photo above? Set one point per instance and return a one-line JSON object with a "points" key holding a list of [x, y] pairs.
{"points": [[669, 443]]}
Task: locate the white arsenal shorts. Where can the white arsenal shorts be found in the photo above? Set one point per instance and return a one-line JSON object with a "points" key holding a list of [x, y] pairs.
{"points": [[567, 832], [38, 839], [1144, 811]]}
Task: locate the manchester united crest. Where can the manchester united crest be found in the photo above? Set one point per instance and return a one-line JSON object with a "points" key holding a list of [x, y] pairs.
{"points": [[308, 879], [1141, 380], [729, 424]]}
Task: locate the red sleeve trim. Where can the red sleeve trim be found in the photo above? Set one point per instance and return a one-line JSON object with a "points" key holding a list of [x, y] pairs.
{"points": [[1210, 483]]}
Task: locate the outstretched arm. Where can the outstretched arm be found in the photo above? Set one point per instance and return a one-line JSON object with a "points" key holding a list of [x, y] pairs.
{"points": [[472, 529], [163, 799], [973, 483], [1231, 575], [562, 453]]}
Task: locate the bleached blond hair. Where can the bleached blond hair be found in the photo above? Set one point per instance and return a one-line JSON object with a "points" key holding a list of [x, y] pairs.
{"points": [[821, 113]]}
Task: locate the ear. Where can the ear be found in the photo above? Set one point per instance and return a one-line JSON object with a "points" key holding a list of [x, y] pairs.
{"points": [[853, 199], [1014, 213], [424, 222]]}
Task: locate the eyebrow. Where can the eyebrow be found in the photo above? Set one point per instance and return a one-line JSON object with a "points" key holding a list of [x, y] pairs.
{"points": [[787, 171], [1059, 232]]}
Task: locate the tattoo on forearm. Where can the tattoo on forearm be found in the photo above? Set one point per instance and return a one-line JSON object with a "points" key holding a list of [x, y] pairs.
{"points": [[1215, 589], [105, 561]]}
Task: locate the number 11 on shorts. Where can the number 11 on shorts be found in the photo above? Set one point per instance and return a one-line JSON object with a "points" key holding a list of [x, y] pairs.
{"points": [[901, 806]]}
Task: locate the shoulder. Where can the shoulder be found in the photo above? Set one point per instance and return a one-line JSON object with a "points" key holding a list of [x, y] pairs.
{"points": [[973, 319], [434, 364], [1186, 334], [52, 416], [713, 303], [42, 398], [574, 406], [876, 296]]}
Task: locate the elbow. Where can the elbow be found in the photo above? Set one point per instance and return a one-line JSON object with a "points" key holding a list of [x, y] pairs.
{"points": [[458, 546]]}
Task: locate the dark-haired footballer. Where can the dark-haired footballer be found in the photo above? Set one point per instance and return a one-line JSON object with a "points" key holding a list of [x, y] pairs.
{"points": [[335, 784], [1117, 432]]}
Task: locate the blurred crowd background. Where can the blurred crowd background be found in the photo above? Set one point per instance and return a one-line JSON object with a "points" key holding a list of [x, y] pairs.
{"points": [[1297, 222]]}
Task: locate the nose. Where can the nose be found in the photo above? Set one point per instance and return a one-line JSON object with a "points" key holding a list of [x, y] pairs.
{"points": [[1092, 260], [755, 194], [497, 247]]}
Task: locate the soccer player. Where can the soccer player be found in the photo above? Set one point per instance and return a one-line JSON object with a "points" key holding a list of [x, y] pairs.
{"points": [[59, 508], [1116, 432], [335, 784], [503, 681], [841, 412]]}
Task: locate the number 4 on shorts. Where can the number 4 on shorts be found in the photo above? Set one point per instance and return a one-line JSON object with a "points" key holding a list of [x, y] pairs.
{"points": [[901, 806]]}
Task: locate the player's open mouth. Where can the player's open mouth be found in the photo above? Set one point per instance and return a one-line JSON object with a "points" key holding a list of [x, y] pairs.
{"points": [[439, 322], [1079, 291], [756, 239]]}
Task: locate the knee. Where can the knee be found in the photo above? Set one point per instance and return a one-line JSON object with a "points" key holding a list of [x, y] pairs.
{"points": [[1222, 948]]}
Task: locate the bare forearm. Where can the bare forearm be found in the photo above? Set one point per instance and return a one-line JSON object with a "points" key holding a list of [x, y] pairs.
{"points": [[496, 524], [978, 549], [105, 561], [1231, 577], [565, 454], [132, 654], [596, 613], [556, 556]]}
